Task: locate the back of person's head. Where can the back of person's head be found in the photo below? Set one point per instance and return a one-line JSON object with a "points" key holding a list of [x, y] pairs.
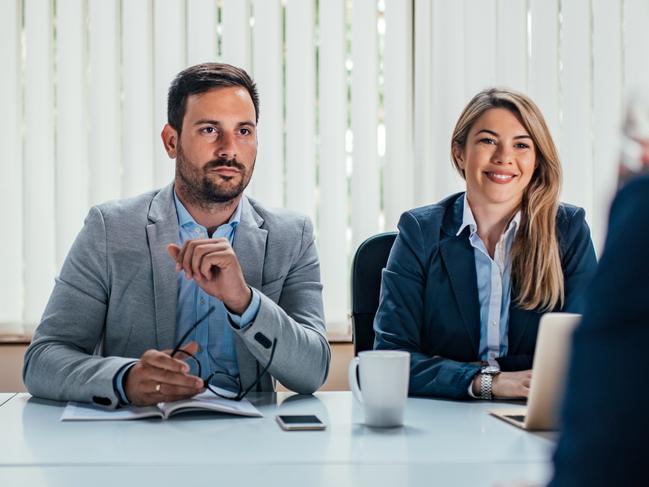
{"points": [[634, 154], [201, 78], [536, 264], [636, 118]]}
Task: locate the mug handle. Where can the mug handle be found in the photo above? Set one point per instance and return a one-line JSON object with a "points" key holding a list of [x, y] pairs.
{"points": [[353, 380]]}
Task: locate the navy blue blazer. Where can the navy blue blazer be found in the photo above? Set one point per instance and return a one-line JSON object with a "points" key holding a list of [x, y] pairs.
{"points": [[605, 421], [429, 297]]}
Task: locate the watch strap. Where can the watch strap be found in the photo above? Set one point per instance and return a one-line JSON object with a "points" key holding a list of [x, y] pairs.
{"points": [[485, 386]]}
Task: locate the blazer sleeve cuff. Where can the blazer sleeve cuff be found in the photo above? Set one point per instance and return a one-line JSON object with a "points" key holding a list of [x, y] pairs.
{"points": [[102, 392], [118, 383], [249, 315]]}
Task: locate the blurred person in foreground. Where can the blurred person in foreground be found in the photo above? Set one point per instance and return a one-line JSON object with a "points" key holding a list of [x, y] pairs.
{"points": [[605, 425]]}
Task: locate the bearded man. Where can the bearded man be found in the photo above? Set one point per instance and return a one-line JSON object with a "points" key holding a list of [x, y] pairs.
{"points": [[192, 286]]}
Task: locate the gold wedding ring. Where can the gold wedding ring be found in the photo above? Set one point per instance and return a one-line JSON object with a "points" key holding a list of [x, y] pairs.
{"points": [[157, 388]]}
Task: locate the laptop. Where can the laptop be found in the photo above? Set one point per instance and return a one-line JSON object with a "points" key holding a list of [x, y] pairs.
{"points": [[548, 376]]}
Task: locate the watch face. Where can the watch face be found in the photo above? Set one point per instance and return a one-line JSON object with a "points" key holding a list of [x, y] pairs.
{"points": [[490, 369]]}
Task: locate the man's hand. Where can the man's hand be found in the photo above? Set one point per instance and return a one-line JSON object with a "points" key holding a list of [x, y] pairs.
{"points": [[214, 266], [158, 377], [507, 385]]}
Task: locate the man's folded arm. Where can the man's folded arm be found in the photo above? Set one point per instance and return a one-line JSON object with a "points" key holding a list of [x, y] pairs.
{"points": [[59, 364], [302, 356]]}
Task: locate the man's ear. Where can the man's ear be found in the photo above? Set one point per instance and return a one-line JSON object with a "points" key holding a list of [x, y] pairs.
{"points": [[170, 140]]}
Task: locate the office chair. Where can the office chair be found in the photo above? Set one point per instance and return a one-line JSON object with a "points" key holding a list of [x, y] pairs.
{"points": [[369, 260]]}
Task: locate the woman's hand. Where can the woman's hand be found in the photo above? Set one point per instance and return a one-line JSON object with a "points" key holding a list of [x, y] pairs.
{"points": [[507, 385]]}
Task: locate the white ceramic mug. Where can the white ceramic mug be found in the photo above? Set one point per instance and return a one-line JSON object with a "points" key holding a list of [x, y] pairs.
{"points": [[383, 390]]}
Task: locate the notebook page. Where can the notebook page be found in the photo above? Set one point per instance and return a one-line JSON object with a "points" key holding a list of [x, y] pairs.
{"points": [[76, 411]]}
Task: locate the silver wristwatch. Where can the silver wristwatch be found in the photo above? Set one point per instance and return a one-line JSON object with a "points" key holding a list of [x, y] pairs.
{"points": [[486, 377]]}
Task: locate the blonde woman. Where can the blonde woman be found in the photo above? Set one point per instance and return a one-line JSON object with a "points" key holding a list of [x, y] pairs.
{"points": [[468, 278]]}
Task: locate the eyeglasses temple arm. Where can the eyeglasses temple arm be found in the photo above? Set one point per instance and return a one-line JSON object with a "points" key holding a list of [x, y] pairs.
{"points": [[184, 337], [263, 372]]}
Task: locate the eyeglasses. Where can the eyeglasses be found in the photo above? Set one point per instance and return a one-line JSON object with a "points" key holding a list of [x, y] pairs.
{"points": [[241, 393]]}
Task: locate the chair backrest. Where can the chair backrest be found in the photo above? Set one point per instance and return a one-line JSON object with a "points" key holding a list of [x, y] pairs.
{"points": [[369, 260]]}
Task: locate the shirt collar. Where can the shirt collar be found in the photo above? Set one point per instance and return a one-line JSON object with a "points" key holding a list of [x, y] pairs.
{"points": [[184, 217], [468, 220], [514, 223]]}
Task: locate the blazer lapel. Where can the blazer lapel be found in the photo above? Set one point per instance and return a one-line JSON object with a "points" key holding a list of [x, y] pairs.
{"points": [[458, 257], [161, 231], [250, 244], [250, 247]]}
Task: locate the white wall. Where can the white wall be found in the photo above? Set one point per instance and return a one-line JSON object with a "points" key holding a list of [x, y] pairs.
{"points": [[358, 99]]}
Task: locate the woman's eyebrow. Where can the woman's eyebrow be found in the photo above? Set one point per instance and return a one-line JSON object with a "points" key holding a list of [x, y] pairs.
{"points": [[495, 134]]}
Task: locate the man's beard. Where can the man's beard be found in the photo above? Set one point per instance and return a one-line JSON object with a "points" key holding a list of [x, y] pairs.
{"points": [[200, 189]]}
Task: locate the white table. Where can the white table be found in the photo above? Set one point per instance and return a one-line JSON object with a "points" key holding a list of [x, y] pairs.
{"points": [[443, 443], [5, 396]]}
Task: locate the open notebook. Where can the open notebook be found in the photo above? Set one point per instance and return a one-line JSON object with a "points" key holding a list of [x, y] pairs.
{"points": [[205, 401]]}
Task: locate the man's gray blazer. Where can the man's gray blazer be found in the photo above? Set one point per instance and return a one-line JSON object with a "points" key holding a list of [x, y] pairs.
{"points": [[116, 297]]}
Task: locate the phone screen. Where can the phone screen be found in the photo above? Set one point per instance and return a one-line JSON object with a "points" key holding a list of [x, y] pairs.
{"points": [[295, 421], [306, 419]]}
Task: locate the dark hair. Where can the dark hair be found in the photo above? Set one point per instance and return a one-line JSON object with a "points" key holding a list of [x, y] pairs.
{"points": [[201, 78]]}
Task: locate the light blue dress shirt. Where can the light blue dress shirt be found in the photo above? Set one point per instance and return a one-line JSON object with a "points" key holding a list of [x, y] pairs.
{"points": [[214, 336], [494, 285]]}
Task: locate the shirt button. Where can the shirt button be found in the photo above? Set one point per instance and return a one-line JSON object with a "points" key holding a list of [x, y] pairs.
{"points": [[493, 323], [202, 300]]}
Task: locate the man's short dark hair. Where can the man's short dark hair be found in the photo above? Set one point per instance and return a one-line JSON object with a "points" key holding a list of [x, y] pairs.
{"points": [[201, 78]]}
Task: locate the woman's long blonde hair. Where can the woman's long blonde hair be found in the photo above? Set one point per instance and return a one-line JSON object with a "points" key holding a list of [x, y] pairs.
{"points": [[537, 275]]}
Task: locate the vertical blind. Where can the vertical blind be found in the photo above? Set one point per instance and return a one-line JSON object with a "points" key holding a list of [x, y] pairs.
{"points": [[358, 100]]}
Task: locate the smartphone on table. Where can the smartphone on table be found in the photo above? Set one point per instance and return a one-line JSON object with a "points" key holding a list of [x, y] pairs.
{"points": [[299, 422]]}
